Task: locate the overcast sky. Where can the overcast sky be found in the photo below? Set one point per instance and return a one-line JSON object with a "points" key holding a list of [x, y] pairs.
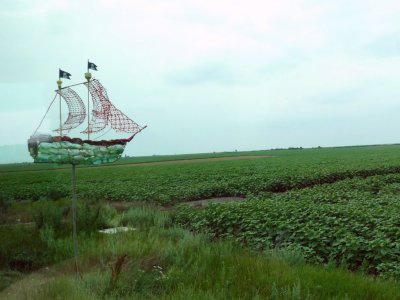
{"points": [[211, 75]]}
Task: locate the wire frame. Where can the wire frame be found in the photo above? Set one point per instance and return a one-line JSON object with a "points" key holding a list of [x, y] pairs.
{"points": [[76, 108], [105, 113]]}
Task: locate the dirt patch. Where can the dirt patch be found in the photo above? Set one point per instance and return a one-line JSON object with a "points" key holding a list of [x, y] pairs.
{"points": [[121, 206], [12, 217], [205, 202]]}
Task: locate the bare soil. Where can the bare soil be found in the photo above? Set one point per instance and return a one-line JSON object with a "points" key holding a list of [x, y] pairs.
{"points": [[205, 202]]}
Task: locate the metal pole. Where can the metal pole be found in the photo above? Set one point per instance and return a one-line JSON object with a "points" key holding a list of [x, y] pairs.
{"points": [[59, 83], [59, 93], [88, 108], [88, 115], [74, 237], [88, 76]]}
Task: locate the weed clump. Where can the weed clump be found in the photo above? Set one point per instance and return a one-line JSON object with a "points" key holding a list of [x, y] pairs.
{"points": [[144, 217], [90, 217], [21, 249]]}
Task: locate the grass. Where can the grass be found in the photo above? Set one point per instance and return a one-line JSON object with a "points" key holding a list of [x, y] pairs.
{"points": [[7, 277], [21, 248], [192, 268], [162, 261]]}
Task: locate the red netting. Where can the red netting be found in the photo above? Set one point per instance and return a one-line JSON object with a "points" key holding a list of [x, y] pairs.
{"points": [[77, 110], [105, 113], [100, 107], [120, 122]]}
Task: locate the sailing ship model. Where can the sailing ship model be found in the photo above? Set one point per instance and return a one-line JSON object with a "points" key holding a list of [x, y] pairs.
{"points": [[63, 149]]}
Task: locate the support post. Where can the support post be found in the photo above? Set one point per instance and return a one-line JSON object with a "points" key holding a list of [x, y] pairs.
{"points": [[74, 237]]}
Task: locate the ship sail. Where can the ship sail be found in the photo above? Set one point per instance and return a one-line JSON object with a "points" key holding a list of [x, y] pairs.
{"points": [[77, 110], [120, 122], [101, 106], [105, 113]]}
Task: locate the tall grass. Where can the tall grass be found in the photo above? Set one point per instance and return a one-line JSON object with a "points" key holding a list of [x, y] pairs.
{"points": [[167, 262], [145, 217]]}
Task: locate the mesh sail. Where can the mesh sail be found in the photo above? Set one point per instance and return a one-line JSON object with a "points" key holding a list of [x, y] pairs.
{"points": [[105, 113], [76, 108], [99, 119]]}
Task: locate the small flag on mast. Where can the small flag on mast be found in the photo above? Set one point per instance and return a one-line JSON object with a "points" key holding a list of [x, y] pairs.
{"points": [[64, 74], [91, 66]]}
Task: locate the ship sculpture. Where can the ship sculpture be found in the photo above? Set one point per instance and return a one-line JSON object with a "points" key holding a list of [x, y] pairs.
{"points": [[63, 149]]}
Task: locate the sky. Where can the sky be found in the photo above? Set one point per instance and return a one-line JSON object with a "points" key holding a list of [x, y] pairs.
{"points": [[210, 76]]}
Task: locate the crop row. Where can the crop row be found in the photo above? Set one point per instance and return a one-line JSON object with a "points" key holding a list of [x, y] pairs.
{"points": [[354, 223], [172, 183]]}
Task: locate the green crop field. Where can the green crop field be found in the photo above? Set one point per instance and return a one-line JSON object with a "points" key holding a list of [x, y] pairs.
{"points": [[178, 182], [354, 223], [330, 207]]}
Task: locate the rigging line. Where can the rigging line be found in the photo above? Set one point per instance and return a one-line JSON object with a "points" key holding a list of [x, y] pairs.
{"points": [[68, 86], [103, 134], [40, 124]]}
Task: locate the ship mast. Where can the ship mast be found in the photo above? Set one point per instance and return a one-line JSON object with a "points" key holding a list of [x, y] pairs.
{"points": [[59, 83], [88, 76], [61, 74]]}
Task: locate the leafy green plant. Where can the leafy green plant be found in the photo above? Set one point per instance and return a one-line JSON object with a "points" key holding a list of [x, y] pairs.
{"points": [[21, 249], [90, 216], [346, 223], [171, 263], [51, 215], [172, 183]]}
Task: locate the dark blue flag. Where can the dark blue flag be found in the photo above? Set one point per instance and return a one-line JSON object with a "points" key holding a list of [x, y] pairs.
{"points": [[91, 65], [64, 74]]}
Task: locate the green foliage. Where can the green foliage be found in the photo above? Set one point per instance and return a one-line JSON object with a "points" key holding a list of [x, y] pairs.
{"points": [[144, 217], [63, 288], [26, 247], [90, 216], [3, 206], [51, 215], [149, 281], [178, 182], [7, 277], [56, 193], [294, 254], [170, 263], [337, 207], [353, 223], [21, 249]]}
